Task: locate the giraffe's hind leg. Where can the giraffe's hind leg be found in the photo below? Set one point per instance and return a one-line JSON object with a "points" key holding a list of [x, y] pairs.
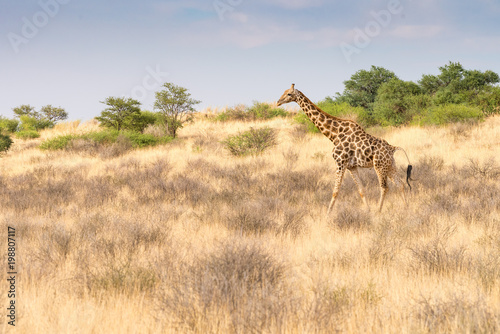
{"points": [[399, 184], [382, 179], [355, 176], [339, 175]]}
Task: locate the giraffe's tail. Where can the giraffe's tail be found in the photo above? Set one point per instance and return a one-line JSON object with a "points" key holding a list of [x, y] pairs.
{"points": [[408, 170]]}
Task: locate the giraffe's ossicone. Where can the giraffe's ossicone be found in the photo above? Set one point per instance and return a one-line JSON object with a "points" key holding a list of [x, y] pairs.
{"points": [[353, 148]]}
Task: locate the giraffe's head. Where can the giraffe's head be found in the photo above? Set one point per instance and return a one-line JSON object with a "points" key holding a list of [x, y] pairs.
{"points": [[289, 95]]}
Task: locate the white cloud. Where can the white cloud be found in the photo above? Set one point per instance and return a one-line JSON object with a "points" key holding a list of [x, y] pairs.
{"points": [[416, 31], [238, 17], [296, 4], [483, 43], [173, 6], [255, 34]]}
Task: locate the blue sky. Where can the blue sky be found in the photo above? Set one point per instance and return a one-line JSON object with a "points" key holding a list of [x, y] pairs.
{"points": [[75, 53]]}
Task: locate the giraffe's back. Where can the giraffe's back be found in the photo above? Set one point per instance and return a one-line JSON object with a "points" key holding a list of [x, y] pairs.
{"points": [[358, 148]]}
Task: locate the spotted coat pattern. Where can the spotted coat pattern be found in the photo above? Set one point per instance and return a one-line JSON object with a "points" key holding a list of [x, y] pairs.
{"points": [[353, 147]]}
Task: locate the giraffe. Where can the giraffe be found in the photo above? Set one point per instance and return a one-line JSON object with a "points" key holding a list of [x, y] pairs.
{"points": [[353, 149]]}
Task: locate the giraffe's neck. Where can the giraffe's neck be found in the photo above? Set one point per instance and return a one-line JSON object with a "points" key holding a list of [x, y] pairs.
{"points": [[319, 117]]}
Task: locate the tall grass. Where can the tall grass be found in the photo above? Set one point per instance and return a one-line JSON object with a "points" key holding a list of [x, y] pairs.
{"points": [[171, 239]]}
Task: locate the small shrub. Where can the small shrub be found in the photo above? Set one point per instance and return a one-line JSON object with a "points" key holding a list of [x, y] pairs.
{"points": [[236, 113], [121, 278], [27, 134], [448, 113], [5, 142], [121, 146], [57, 143], [259, 110], [33, 123], [293, 222], [488, 169], [108, 136], [262, 110], [251, 218], [351, 218], [8, 125], [435, 257], [386, 243], [83, 145], [251, 142], [456, 314], [115, 142], [240, 278], [141, 140]]}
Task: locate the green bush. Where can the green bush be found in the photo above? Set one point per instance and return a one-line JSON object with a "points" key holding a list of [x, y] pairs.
{"points": [[138, 122], [34, 124], [258, 111], [336, 109], [448, 113], [397, 102], [8, 125], [236, 113], [262, 110], [399, 112], [302, 118], [251, 142], [488, 100], [57, 143], [143, 140], [105, 138], [5, 142], [27, 134], [152, 117]]}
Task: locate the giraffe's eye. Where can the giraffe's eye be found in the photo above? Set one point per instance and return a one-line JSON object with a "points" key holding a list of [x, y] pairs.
{"points": [[289, 94]]}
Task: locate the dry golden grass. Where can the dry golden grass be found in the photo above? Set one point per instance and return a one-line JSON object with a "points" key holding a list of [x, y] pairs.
{"points": [[186, 238]]}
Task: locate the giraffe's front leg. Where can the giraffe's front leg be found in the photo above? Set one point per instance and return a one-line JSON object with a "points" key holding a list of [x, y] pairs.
{"points": [[339, 175]]}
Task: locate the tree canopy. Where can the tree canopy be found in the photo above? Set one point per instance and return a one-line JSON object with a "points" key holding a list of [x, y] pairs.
{"points": [[176, 106], [361, 90], [388, 100]]}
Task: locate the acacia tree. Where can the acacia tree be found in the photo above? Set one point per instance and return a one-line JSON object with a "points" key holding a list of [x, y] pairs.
{"points": [[361, 89], [119, 112], [53, 114], [454, 78], [31, 119], [176, 107], [26, 110], [397, 101]]}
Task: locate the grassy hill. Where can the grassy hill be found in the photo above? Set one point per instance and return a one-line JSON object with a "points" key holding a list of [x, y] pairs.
{"points": [[185, 237]]}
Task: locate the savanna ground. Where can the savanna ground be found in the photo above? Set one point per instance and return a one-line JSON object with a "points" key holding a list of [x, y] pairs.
{"points": [[186, 238]]}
